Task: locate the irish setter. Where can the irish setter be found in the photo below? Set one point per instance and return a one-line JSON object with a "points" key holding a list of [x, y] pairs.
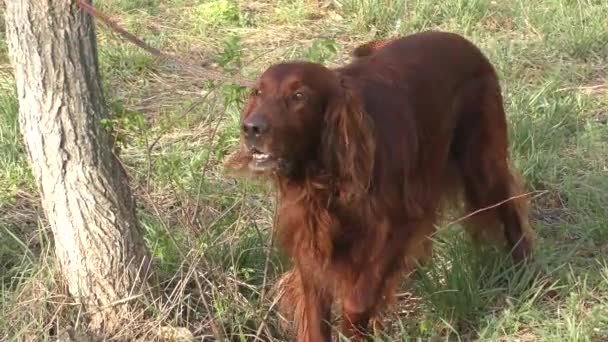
{"points": [[365, 158]]}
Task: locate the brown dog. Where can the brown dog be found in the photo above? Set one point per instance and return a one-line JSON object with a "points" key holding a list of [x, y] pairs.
{"points": [[364, 157]]}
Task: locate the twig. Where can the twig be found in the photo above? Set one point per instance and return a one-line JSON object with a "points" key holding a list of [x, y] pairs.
{"points": [[263, 323], [219, 334], [149, 157], [204, 172], [584, 88], [268, 252], [265, 279], [512, 198]]}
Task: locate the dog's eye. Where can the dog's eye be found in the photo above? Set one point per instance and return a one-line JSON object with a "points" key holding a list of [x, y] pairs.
{"points": [[298, 96], [256, 92]]}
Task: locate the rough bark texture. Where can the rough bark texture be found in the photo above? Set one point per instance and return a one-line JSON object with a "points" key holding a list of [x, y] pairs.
{"points": [[84, 190]]}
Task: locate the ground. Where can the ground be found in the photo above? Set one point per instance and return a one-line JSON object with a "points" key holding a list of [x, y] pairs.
{"points": [[209, 232]]}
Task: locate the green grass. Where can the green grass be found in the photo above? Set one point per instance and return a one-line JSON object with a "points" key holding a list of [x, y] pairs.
{"points": [[210, 234]]}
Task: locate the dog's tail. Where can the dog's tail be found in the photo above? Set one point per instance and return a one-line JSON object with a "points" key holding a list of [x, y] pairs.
{"points": [[369, 48]]}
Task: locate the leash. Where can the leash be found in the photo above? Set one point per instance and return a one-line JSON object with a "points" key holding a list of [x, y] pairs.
{"points": [[203, 73]]}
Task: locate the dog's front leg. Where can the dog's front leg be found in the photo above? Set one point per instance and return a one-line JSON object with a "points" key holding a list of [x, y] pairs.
{"points": [[315, 324], [405, 245]]}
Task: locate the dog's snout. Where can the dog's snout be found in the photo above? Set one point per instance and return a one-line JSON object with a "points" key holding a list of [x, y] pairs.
{"points": [[255, 126]]}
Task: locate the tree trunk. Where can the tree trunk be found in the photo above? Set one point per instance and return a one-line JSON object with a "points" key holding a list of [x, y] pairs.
{"points": [[84, 190]]}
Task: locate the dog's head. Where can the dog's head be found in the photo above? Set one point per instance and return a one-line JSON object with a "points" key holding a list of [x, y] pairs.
{"points": [[302, 114]]}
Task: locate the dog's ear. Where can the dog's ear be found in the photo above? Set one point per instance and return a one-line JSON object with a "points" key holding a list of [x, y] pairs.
{"points": [[348, 141]]}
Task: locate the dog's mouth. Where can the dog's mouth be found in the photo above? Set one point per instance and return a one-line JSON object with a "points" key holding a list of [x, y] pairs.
{"points": [[262, 161]]}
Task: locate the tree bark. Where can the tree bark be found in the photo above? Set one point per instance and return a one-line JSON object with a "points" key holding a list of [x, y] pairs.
{"points": [[84, 189]]}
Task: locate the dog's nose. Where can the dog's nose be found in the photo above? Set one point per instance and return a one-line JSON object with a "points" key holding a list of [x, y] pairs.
{"points": [[255, 126]]}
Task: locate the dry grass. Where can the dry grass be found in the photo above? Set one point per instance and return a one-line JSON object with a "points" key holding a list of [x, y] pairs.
{"points": [[210, 233]]}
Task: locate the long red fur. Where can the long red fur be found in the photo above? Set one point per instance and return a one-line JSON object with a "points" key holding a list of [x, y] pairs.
{"points": [[410, 125]]}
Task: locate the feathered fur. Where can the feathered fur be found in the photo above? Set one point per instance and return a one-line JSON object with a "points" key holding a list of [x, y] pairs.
{"points": [[366, 155]]}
